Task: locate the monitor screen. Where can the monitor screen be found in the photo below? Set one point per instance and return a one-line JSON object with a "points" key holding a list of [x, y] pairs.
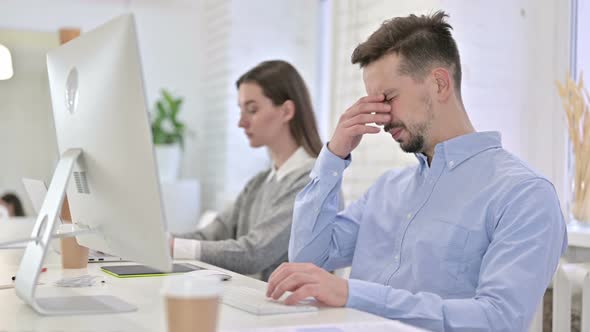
{"points": [[99, 107]]}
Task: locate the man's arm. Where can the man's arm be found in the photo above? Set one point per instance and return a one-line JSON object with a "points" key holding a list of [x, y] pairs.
{"points": [[526, 244], [319, 234]]}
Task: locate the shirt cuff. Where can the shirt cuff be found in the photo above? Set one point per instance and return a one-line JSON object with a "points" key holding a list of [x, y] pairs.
{"points": [[187, 249], [365, 295], [329, 165]]}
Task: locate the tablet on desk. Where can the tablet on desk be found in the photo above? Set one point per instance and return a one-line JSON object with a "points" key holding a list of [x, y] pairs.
{"points": [[133, 271]]}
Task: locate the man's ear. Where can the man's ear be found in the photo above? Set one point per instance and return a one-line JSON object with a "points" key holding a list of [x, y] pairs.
{"points": [[288, 109], [443, 83]]}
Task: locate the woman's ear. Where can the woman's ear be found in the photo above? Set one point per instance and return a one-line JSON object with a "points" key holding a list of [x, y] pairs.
{"points": [[288, 109]]}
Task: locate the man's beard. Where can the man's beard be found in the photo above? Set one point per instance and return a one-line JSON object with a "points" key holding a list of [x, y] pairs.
{"points": [[415, 143], [416, 132]]}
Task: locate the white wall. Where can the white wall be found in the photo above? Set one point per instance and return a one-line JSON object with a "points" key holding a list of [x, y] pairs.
{"points": [[354, 21], [208, 161], [239, 35], [583, 38], [512, 52], [265, 30], [27, 135], [170, 42], [197, 49], [583, 33]]}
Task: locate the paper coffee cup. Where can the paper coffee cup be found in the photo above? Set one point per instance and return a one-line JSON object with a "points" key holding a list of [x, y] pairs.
{"points": [[191, 303], [73, 255]]}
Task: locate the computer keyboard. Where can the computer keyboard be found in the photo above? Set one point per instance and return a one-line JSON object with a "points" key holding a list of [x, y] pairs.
{"points": [[256, 302]]}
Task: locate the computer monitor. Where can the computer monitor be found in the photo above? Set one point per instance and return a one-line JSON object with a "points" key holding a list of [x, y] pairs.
{"points": [[105, 146]]}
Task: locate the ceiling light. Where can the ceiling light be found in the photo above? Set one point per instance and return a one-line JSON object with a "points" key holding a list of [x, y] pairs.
{"points": [[6, 71]]}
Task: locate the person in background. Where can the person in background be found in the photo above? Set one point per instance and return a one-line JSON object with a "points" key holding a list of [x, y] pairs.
{"points": [[252, 235], [12, 204], [466, 240]]}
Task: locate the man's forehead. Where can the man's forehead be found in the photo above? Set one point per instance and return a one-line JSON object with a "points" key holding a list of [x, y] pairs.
{"points": [[382, 73], [381, 82]]}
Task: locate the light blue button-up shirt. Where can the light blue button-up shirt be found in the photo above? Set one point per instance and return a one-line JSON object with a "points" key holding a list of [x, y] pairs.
{"points": [[468, 243]]}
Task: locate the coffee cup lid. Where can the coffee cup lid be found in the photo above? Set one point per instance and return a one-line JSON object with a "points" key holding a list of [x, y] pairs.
{"points": [[191, 286]]}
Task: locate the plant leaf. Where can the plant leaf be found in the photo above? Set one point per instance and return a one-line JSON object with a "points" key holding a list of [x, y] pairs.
{"points": [[166, 127]]}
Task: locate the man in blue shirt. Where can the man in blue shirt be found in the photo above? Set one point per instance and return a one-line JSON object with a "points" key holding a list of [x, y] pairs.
{"points": [[466, 240]]}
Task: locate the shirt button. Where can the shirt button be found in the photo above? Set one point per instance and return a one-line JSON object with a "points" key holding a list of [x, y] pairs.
{"points": [[451, 163], [396, 258], [335, 173], [409, 216]]}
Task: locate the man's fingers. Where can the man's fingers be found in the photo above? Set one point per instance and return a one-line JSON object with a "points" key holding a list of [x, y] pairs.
{"points": [[366, 107], [284, 271], [371, 99], [292, 283], [374, 107], [361, 129], [367, 118], [278, 275], [302, 293], [273, 279]]}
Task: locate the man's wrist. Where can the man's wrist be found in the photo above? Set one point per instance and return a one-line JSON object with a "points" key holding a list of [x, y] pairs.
{"points": [[336, 153]]}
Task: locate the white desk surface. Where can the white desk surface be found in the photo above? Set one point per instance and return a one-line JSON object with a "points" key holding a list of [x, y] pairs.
{"points": [[15, 315]]}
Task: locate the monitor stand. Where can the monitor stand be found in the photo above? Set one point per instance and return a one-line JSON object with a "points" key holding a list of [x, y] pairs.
{"points": [[36, 251]]}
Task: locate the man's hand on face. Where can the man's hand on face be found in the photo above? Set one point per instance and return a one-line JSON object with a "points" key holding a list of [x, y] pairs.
{"points": [[353, 124], [305, 280]]}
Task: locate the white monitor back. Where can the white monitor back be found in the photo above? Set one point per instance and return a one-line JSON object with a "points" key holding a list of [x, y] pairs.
{"points": [[99, 106]]}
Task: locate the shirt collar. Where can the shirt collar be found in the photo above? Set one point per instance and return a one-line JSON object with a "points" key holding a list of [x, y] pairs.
{"points": [[422, 159], [458, 149], [298, 159]]}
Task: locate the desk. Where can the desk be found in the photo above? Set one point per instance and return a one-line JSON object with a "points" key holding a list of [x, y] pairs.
{"points": [[144, 293]]}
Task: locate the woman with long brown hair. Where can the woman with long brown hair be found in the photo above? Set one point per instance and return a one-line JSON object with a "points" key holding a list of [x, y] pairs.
{"points": [[252, 235], [12, 204]]}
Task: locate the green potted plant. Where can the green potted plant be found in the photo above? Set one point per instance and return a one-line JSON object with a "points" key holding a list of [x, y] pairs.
{"points": [[168, 133]]}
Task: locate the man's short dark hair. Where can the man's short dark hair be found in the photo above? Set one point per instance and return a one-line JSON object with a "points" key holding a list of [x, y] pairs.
{"points": [[422, 42]]}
